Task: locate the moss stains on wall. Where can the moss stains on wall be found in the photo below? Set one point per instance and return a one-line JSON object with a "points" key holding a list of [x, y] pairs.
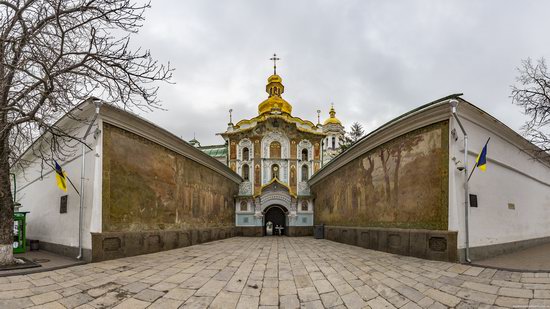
{"points": [[402, 183], [148, 187]]}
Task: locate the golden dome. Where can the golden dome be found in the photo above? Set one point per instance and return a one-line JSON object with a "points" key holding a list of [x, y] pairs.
{"points": [[274, 79], [275, 102], [332, 119]]}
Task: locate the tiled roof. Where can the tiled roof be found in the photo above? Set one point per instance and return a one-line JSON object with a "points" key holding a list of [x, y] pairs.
{"points": [[215, 150]]}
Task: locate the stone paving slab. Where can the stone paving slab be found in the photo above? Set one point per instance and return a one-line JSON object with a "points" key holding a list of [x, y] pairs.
{"points": [[275, 272]]}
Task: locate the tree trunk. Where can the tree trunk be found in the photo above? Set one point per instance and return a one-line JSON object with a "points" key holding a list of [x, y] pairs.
{"points": [[6, 202], [396, 178], [386, 175]]}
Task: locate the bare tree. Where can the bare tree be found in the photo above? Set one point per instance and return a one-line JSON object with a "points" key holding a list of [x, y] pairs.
{"points": [[533, 94], [53, 55]]}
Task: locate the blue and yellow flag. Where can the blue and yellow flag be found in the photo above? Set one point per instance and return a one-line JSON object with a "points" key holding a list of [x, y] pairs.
{"points": [[481, 160], [60, 177]]}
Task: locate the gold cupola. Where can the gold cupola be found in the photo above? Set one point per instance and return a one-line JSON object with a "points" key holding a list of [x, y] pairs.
{"points": [[332, 119], [274, 102]]}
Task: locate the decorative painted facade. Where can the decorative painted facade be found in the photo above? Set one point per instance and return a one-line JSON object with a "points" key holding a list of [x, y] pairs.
{"points": [[275, 153]]}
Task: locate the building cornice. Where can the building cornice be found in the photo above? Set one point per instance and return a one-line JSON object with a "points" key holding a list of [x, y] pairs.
{"points": [[411, 121], [480, 118], [425, 115], [146, 129]]}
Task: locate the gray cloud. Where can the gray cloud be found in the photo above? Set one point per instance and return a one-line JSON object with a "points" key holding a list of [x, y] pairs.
{"points": [[374, 59]]}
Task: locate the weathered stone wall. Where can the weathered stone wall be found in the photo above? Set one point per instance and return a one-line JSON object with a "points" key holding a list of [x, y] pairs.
{"points": [[400, 184], [147, 187], [426, 244]]}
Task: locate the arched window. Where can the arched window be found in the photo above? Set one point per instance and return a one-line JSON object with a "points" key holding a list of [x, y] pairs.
{"points": [[244, 206], [275, 171], [305, 172], [246, 172], [333, 142], [304, 154], [305, 206], [246, 154], [275, 150]]}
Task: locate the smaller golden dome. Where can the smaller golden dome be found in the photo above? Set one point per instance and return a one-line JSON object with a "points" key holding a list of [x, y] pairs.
{"points": [[274, 79], [275, 89], [332, 119]]}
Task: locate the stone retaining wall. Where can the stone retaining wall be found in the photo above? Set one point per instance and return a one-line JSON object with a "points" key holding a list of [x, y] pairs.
{"points": [[113, 245], [426, 244]]}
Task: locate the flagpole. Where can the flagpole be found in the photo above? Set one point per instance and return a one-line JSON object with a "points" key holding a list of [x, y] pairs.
{"points": [[475, 165], [72, 184]]}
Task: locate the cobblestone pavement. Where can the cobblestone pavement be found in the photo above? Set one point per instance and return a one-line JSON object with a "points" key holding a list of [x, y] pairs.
{"points": [[271, 272]]}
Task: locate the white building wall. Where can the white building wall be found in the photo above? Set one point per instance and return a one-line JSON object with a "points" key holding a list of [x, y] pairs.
{"points": [[512, 176], [38, 193]]}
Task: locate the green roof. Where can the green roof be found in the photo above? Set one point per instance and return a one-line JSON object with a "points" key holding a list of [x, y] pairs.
{"points": [[215, 151]]}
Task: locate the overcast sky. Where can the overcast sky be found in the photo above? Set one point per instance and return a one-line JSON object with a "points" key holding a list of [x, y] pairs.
{"points": [[374, 59]]}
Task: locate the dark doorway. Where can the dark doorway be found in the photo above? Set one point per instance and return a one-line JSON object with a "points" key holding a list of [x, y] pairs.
{"points": [[275, 215]]}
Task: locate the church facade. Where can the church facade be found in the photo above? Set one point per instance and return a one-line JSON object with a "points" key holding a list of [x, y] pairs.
{"points": [[276, 153]]}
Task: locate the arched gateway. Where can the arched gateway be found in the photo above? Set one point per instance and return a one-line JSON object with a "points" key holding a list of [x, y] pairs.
{"points": [[276, 215]]}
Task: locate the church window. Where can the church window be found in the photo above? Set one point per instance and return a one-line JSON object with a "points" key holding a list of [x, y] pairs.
{"points": [[304, 154], [244, 206], [305, 172], [275, 171], [246, 154], [246, 172], [305, 206], [333, 142], [275, 150]]}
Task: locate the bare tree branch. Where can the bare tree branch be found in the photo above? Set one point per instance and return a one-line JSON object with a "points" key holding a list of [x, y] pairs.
{"points": [[54, 54], [532, 93]]}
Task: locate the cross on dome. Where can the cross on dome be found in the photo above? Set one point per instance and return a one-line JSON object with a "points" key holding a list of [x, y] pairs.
{"points": [[274, 58]]}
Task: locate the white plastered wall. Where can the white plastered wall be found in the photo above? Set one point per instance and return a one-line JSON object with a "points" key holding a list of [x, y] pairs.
{"points": [[38, 193], [512, 176]]}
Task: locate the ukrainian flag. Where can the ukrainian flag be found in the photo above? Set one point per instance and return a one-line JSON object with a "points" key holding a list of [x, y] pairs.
{"points": [[481, 160], [60, 177]]}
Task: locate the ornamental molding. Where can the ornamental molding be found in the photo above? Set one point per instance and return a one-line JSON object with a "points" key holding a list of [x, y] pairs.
{"points": [[266, 170], [245, 142], [275, 136], [275, 198], [305, 144], [245, 188], [303, 188]]}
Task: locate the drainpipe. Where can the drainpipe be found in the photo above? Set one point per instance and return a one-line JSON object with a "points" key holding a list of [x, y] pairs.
{"points": [[97, 103], [454, 104]]}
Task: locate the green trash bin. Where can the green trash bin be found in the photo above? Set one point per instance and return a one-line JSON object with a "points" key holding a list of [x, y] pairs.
{"points": [[19, 231]]}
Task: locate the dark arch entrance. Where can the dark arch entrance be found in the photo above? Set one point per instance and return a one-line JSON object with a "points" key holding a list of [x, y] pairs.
{"points": [[276, 215]]}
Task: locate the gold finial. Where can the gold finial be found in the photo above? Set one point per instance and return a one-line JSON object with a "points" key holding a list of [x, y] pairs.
{"points": [[318, 116], [274, 58], [332, 119]]}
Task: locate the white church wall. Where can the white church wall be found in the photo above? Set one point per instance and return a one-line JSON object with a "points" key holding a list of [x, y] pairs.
{"points": [[512, 177], [38, 193]]}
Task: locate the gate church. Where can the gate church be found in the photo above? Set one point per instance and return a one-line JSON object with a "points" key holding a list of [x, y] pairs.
{"points": [[276, 153]]}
